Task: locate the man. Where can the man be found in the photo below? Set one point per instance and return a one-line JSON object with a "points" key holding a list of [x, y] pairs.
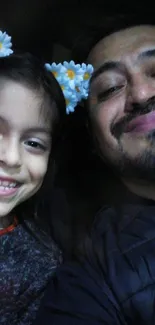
{"points": [[115, 282]]}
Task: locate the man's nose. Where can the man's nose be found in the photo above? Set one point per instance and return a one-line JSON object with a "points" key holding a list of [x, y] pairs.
{"points": [[141, 90]]}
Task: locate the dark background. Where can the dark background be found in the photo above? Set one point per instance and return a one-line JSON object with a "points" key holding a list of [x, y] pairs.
{"points": [[36, 24]]}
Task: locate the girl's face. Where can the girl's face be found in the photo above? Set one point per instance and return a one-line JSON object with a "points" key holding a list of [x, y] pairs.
{"points": [[25, 144]]}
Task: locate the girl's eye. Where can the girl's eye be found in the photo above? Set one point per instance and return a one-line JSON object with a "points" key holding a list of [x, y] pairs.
{"points": [[35, 145], [107, 93]]}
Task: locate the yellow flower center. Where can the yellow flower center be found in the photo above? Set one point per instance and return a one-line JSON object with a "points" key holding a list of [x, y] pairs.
{"points": [[67, 101], [1, 45], [86, 76], [55, 73], [77, 89], [71, 74]]}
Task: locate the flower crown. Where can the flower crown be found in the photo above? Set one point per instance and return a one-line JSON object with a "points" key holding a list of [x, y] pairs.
{"points": [[5, 44], [72, 78]]}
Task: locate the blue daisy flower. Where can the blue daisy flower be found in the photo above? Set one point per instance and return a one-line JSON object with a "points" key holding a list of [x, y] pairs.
{"points": [[74, 81], [5, 44], [71, 100], [64, 84], [70, 84], [87, 68], [85, 85], [87, 72], [81, 93], [57, 69], [73, 72]]}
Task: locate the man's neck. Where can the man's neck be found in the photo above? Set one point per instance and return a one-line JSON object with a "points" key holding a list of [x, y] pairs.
{"points": [[141, 188]]}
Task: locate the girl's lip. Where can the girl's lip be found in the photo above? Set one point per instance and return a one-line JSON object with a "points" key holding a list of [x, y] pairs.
{"points": [[8, 191], [8, 186], [9, 180]]}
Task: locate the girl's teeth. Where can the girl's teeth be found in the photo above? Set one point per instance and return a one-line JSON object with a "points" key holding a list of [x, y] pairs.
{"points": [[13, 185], [7, 184]]}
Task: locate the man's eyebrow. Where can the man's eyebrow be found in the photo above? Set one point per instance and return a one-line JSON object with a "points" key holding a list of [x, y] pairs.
{"points": [[115, 65], [110, 65]]}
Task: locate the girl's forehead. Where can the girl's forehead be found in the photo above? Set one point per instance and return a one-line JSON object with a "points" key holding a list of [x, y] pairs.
{"points": [[22, 107]]}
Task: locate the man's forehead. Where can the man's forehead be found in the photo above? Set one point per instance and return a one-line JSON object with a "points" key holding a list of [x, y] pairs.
{"points": [[122, 43]]}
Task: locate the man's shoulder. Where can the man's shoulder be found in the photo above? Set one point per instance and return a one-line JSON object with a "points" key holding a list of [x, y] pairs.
{"points": [[125, 225], [123, 244]]}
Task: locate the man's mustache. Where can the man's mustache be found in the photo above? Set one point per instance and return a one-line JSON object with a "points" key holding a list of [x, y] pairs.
{"points": [[137, 110]]}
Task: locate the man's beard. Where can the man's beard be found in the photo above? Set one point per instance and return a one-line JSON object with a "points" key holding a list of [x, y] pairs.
{"points": [[143, 165]]}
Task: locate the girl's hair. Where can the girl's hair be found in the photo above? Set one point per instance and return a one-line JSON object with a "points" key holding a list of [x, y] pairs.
{"points": [[30, 71], [27, 69]]}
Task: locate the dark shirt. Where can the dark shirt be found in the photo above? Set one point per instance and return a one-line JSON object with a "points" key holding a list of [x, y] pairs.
{"points": [[115, 284], [25, 268]]}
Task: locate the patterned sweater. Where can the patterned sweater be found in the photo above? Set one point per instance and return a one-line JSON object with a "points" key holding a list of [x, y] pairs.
{"points": [[25, 268]]}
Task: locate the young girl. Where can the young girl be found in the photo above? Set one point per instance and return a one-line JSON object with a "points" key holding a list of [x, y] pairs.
{"points": [[32, 106]]}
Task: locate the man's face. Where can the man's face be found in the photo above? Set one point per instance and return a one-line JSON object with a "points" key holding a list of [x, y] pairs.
{"points": [[122, 100]]}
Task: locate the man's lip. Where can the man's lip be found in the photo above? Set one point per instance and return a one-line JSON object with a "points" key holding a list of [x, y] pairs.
{"points": [[141, 123]]}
